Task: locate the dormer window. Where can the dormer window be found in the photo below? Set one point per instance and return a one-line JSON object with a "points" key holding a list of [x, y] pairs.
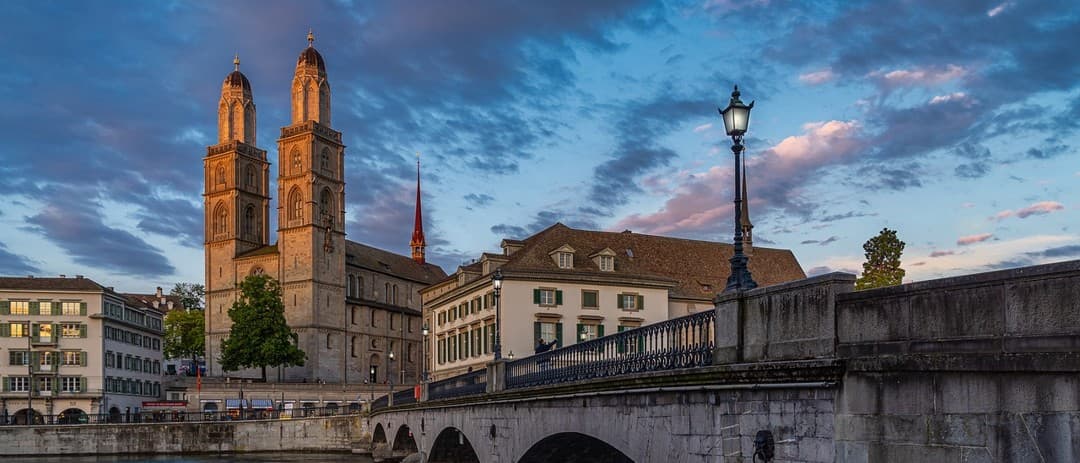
{"points": [[566, 260], [607, 263]]}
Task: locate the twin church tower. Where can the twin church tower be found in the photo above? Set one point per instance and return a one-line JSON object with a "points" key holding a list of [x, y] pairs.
{"points": [[309, 256]]}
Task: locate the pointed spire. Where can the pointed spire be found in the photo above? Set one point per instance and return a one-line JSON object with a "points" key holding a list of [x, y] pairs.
{"points": [[418, 243], [744, 218], [310, 38], [236, 62]]}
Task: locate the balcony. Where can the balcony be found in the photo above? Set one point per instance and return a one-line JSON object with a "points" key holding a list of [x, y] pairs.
{"points": [[43, 340]]}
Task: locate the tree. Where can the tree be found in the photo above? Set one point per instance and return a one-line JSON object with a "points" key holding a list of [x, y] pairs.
{"points": [[185, 335], [882, 266], [259, 335], [191, 295]]}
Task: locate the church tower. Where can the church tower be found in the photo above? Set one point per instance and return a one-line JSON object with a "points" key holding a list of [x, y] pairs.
{"points": [[311, 222], [236, 200], [744, 218], [418, 243]]}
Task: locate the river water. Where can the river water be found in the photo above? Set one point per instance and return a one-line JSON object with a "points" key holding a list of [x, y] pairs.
{"points": [[244, 458]]}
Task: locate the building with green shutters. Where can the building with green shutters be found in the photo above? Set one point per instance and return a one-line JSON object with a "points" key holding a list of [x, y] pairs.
{"points": [[70, 347]]}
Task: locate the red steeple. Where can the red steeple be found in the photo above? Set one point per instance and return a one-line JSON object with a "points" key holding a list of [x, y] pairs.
{"points": [[418, 244]]}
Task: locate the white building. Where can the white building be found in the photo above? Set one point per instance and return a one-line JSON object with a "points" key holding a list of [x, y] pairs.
{"points": [[72, 347], [567, 285]]}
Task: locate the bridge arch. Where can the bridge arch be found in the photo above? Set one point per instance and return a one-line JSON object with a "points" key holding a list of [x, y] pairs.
{"points": [[404, 441], [378, 436], [451, 446], [573, 447]]}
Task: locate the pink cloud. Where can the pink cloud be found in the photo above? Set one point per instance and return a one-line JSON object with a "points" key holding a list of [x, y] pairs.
{"points": [[1039, 208], [703, 200], [972, 239], [817, 77], [919, 77], [955, 96]]}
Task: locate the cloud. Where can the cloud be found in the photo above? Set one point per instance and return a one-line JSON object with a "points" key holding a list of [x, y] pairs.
{"points": [[1072, 250], [972, 239], [817, 77], [955, 96], [846, 215], [15, 264], [998, 9], [702, 128], [1039, 208], [942, 253], [929, 76], [478, 200]]}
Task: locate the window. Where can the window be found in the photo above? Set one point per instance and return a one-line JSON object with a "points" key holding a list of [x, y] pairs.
{"points": [[547, 297], [296, 205], [393, 317], [590, 299], [631, 302], [566, 260], [607, 263], [72, 358], [20, 330], [20, 307], [45, 307], [70, 384], [222, 216], [220, 175], [395, 295], [71, 330], [325, 159], [589, 331], [46, 360], [45, 383], [386, 294], [326, 207], [19, 383], [71, 308], [548, 332], [352, 346], [45, 332], [19, 357], [249, 221], [355, 311], [373, 318], [328, 345], [297, 164]]}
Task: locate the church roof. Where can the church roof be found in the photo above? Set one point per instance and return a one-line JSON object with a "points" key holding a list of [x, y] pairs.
{"points": [[362, 255], [237, 79], [311, 57], [699, 269]]}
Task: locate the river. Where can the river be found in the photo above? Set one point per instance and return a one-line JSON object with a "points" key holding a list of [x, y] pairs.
{"points": [[226, 458]]}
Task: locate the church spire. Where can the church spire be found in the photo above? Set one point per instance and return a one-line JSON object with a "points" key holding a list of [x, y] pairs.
{"points": [[744, 218], [418, 243]]}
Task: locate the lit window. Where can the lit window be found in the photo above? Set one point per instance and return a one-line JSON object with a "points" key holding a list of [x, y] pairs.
{"points": [[70, 308], [45, 332], [70, 330], [20, 308], [72, 358], [548, 332], [607, 263], [566, 260]]}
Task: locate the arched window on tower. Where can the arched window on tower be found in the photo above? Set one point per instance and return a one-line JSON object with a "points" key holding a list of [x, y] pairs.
{"points": [[219, 175], [395, 295], [249, 222], [386, 295], [221, 220], [296, 205], [250, 175], [360, 287], [326, 207], [325, 159], [352, 286], [297, 163]]}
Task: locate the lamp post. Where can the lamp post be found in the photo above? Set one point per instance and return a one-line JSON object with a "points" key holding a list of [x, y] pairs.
{"points": [[736, 119], [496, 284], [390, 374], [423, 352], [371, 381]]}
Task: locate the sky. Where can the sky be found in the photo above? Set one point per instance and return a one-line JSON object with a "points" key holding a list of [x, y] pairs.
{"points": [[954, 123]]}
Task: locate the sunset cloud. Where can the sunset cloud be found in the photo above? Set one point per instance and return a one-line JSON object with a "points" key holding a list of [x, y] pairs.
{"points": [[972, 239], [1039, 208], [919, 76], [817, 77]]}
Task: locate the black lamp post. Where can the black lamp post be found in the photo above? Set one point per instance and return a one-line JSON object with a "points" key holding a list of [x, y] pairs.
{"points": [[423, 352], [496, 283], [736, 119]]}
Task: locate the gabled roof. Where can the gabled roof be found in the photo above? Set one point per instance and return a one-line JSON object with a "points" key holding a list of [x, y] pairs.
{"points": [[362, 255], [701, 268], [50, 284]]}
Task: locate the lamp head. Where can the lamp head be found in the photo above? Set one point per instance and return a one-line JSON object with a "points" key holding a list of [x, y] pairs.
{"points": [[736, 115], [496, 279]]}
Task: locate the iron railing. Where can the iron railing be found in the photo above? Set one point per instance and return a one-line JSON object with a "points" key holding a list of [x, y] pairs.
{"points": [[683, 342], [380, 402], [404, 397], [474, 382], [176, 416]]}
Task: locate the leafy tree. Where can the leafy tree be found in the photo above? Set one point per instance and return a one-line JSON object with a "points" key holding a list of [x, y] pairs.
{"points": [[191, 295], [882, 266], [259, 335], [185, 332]]}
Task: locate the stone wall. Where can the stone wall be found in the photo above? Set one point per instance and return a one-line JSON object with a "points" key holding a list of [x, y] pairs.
{"points": [[328, 434]]}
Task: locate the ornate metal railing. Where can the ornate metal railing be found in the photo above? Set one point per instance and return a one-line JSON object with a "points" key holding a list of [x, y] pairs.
{"points": [[682, 342], [407, 396], [381, 402], [458, 386]]}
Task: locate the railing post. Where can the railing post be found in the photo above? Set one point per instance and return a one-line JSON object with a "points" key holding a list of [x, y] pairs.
{"points": [[423, 392], [496, 376], [728, 327]]}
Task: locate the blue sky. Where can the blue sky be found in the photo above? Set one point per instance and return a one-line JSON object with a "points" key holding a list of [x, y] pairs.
{"points": [[955, 123]]}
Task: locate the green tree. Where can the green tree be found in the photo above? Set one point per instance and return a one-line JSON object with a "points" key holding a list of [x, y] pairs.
{"points": [[259, 335], [882, 266], [185, 335], [191, 295]]}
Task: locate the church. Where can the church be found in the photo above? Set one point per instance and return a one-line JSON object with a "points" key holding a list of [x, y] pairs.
{"points": [[355, 308]]}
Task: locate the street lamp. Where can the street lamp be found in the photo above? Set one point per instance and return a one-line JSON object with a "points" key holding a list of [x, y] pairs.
{"points": [[736, 118], [390, 373], [423, 352], [496, 283]]}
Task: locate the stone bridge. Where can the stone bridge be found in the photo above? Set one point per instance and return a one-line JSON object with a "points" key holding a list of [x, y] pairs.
{"points": [[976, 368]]}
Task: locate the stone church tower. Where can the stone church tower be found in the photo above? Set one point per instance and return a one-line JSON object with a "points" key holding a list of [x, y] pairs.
{"points": [[311, 219]]}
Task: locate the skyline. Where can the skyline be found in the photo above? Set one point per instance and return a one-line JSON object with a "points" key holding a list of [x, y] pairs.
{"points": [[601, 116]]}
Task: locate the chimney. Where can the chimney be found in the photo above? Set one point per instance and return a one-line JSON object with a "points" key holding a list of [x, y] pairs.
{"points": [[110, 288], [63, 276], [158, 294], [169, 305], [29, 276], [78, 277]]}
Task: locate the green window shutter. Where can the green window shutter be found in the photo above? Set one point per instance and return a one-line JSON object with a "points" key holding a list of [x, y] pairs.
{"points": [[580, 330], [641, 302], [536, 331], [82, 331], [558, 297], [35, 308], [487, 335], [35, 358], [641, 344], [57, 308], [558, 334], [619, 297], [82, 359], [536, 296], [620, 347], [82, 384], [5, 330], [7, 384], [600, 330], [5, 309], [82, 308], [36, 331]]}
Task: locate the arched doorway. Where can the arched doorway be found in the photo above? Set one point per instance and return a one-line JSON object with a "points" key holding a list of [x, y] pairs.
{"points": [[20, 417], [404, 442], [451, 446], [572, 447], [72, 416], [114, 416]]}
